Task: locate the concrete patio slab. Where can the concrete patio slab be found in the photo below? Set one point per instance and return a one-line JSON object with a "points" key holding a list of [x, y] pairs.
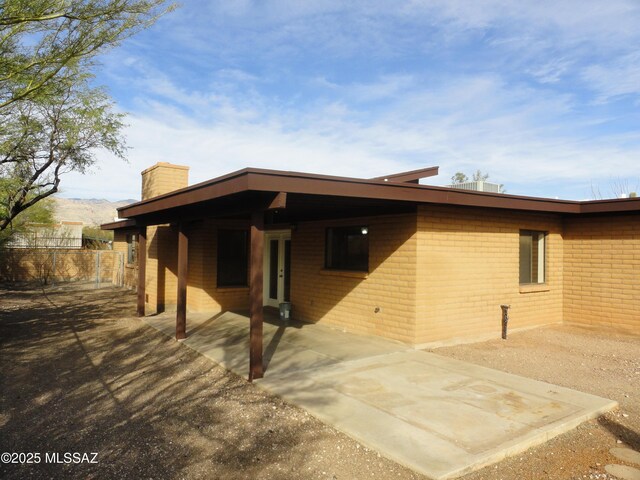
{"points": [[436, 415], [439, 416], [224, 338]]}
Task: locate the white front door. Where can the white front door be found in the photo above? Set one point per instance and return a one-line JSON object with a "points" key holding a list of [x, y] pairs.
{"points": [[277, 267]]}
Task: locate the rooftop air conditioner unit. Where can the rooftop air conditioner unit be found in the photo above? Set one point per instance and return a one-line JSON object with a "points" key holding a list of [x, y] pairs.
{"points": [[479, 186]]}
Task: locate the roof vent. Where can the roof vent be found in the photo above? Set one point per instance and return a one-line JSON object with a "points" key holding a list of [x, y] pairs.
{"points": [[478, 186]]}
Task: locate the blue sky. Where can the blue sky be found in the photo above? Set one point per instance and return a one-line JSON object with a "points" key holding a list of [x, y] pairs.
{"points": [[542, 95]]}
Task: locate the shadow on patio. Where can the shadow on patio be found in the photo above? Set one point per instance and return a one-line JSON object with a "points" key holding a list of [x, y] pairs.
{"points": [[292, 347], [78, 377]]}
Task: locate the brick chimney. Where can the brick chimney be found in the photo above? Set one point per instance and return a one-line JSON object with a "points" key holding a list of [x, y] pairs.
{"points": [[163, 178]]}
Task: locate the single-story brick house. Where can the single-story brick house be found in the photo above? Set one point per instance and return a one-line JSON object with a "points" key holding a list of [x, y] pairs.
{"points": [[384, 256]]}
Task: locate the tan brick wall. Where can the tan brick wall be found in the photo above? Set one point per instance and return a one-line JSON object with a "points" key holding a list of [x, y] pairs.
{"points": [[108, 265], [163, 178], [26, 265], [435, 276], [162, 274], [602, 272], [203, 293], [348, 300], [129, 271], [468, 265], [162, 240], [57, 265]]}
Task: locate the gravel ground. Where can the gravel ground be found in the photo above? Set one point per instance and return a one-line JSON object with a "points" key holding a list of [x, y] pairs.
{"points": [[80, 374], [604, 364]]}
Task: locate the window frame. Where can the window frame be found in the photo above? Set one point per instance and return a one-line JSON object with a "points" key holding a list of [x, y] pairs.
{"points": [[336, 262], [220, 259], [132, 248], [541, 237]]}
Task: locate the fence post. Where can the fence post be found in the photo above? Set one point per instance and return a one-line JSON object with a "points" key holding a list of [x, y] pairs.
{"points": [[53, 270], [505, 320], [97, 267]]}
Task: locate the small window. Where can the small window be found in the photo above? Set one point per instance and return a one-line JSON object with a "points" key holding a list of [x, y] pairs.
{"points": [[532, 256], [131, 248], [347, 248], [233, 258]]}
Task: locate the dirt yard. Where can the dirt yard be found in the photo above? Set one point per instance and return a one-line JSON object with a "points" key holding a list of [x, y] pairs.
{"points": [[79, 373], [603, 364]]}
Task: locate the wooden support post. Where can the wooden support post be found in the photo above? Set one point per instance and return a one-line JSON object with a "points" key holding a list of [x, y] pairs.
{"points": [[183, 269], [142, 269], [255, 292]]}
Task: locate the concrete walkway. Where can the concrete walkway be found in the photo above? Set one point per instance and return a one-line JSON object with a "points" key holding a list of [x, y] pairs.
{"points": [[439, 416]]}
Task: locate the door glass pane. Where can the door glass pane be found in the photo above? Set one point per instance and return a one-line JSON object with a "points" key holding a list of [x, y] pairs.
{"points": [[273, 269], [287, 270]]}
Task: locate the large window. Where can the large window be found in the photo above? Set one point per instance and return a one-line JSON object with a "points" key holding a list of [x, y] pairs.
{"points": [[233, 257], [532, 256], [131, 248], [347, 248]]}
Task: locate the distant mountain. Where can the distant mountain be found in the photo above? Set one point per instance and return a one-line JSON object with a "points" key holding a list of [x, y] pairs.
{"points": [[99, 200], [90, 211]]}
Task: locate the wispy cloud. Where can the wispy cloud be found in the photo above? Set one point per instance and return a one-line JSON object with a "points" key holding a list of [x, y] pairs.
{"points": [[621, 76], [540, 94], [473, 123]]}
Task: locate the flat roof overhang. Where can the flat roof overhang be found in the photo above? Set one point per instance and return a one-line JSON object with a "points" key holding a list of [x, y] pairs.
{"points": [[119, 224], [310, 196]]}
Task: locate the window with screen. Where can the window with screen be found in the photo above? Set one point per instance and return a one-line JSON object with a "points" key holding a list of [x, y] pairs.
{"points": [[532, 256], [347, 248], [233, 258], [131, 248]]}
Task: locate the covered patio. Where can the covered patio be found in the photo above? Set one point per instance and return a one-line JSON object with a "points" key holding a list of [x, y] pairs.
{"points": [[368, 256], [378, 256], [263, 202], [439, 416]]}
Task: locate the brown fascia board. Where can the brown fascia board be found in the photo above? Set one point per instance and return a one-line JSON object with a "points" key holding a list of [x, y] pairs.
{"points": [[120, 224], [611, 205], [295, 182], [409, 177], [235, 182]]}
